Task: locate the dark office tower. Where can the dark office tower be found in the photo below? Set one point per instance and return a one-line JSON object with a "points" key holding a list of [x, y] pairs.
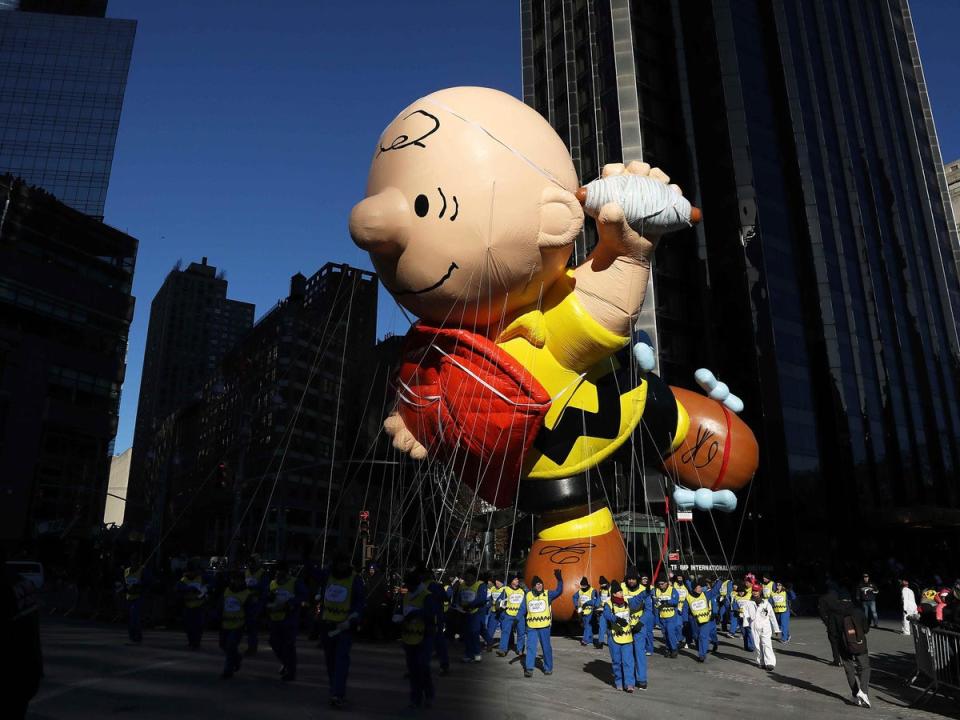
{"points": [[63, 73], [65, 310], [821, 284], [192, 325], [278, 429]]}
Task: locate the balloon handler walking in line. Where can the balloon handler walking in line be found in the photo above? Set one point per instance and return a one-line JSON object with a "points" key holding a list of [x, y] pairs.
{"points": [[519, 374], [536, 614]]}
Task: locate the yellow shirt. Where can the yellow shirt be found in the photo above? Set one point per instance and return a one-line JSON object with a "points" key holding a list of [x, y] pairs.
{"points": [[570, 354]]}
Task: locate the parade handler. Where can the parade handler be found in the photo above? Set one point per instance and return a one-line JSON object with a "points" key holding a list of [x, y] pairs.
{"points": [[518, 374]]}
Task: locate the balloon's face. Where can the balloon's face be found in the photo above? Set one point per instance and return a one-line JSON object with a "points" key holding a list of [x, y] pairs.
{"points": [[454, 214]]}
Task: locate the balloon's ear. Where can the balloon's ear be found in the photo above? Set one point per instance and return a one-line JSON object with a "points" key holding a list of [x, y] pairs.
{"points": [[561, 218]]}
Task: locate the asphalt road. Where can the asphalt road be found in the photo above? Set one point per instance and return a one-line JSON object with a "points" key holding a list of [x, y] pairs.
{"points": [[92, 672]]}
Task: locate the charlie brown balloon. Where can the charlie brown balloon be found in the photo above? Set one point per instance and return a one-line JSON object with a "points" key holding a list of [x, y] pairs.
{"points": [[518, 375]]}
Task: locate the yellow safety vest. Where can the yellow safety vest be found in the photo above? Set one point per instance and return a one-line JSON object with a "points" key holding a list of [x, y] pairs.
{"points": [[253, 580], [446, 599], [740, 599], [283, 594], [336, 599], [132, 579], [586, 601], [768, 589], [725, 588], [468, 594], [666, 611], [635, 615], [514, 601], [493, 595], [779, 601], [700, 608], [621, 635], [413, 629], [681, 595], [234, 608], [192, 600], [539, 612]]}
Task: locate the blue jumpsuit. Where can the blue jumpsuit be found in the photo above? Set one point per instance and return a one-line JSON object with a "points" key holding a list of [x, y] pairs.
{"points": [[510, 622], [258, 586], [621, 654], [684, 612], [703, 632], [666, 604], [494, 613], [473, 621], [539, 635], [336, 649], [781, 607], [418, 653], [193, 591], [284, 624], [642, 635], [603, 632], [440, 647], [587, 600]]}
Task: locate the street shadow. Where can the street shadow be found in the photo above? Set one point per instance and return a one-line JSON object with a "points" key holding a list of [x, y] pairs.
{"points": [[736, 658], [600, 670], [810, 687], [891, 674], [805, 656]]}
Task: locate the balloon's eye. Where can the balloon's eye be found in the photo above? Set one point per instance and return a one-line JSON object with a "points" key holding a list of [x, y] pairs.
{"points": [[421, 205]]}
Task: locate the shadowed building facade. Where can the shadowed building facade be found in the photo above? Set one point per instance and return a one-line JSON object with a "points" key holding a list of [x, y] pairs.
{"points": [[65, 312], [822, 284], [264, 455], [192, 326]]}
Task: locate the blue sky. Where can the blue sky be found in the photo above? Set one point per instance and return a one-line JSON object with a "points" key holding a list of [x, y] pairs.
{"points": [[248, 127]]}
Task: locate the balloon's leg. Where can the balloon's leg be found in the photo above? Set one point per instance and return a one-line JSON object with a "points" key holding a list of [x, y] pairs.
{"points": [[579, 544]]}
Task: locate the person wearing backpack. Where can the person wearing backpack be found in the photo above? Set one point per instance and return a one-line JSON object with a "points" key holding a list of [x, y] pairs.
{"points": [[851, 625]]}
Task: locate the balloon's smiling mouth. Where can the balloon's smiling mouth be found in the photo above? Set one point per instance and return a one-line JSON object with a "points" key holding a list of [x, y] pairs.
{"points": [[438, 283]]}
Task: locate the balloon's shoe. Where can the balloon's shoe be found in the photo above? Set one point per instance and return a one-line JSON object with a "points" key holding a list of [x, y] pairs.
{"points": [[587, 546]]}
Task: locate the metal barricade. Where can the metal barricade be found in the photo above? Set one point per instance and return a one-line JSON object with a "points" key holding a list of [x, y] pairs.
{"points": [[938, 658]]}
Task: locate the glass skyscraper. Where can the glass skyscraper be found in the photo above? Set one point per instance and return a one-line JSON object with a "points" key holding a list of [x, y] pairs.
{"points": [[63, 73], [822, 283]]}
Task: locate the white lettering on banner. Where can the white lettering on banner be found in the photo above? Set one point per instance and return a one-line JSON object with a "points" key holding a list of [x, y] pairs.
{"points": [[585, 599], [335, 594], [232, 604], [467, 596], [537, 606], [625, 614], [700, 604], [516, 598]]}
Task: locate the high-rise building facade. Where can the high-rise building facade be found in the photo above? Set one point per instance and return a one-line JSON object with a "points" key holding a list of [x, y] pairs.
{"points": [[192, 326], [63, 74], [277, 429], [952, 172], [65, 312], [822, 283]]}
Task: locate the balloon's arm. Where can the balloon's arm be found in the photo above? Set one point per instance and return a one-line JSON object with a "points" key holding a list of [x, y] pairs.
{"points": [[611, 284], [403, 439]]}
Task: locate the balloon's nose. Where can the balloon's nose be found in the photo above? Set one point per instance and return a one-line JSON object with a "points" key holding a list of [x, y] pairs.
{"points": [[379, 224]]}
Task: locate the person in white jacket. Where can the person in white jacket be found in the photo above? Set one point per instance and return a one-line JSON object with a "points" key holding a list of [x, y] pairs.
{"points": [[909, 604], [759, 617]]}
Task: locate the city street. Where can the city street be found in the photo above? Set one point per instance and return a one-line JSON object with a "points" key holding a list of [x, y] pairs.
{"points": [[92, 672]]}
